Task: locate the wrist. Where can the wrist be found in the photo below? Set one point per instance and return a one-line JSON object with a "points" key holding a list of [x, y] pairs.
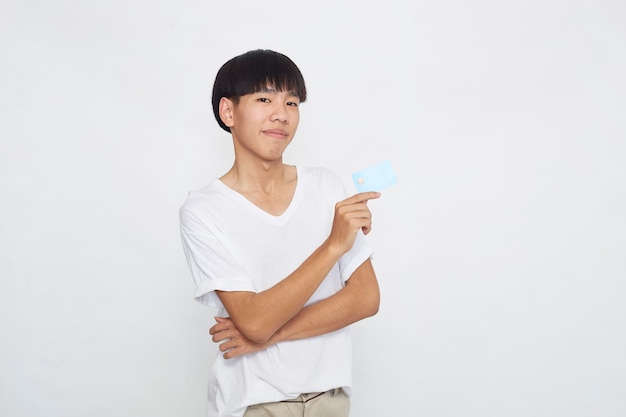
{"points": [[333, 250]]}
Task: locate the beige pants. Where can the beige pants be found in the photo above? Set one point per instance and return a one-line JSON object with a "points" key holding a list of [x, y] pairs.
{"points": [[333, 403]]}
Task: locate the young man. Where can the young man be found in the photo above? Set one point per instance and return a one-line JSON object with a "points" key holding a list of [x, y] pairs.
{"points": [[280, 251]]}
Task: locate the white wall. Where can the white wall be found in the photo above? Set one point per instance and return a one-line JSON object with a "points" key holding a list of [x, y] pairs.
{"points": [[501, 253]]}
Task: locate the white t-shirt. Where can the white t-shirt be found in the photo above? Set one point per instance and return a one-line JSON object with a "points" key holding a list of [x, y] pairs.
{"points": [[233, 245]]}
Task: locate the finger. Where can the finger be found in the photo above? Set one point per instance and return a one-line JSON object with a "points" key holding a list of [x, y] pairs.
{"points": [[228, 345], [218, 337], [234, 352], [231, 354], [362, 197], [223, 323], [216, 328], [359, 219], [354, 211], [224, 334], [368, 195], [360, 211]]}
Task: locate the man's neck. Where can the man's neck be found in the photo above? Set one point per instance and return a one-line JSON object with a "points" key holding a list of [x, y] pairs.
{"points": [[270, 188]]}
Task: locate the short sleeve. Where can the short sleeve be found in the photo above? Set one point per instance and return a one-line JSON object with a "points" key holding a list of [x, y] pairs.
{"points": [[354, 258], [212, 265]]}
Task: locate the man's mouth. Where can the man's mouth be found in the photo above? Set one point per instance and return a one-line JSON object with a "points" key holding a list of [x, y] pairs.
{"points": [[277, 133]]}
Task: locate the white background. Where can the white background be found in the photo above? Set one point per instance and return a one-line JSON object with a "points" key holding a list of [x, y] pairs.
{"points": [[500, 254]]}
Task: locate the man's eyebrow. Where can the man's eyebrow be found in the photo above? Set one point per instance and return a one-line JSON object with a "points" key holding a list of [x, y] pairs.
{"points": [[291, 93]]}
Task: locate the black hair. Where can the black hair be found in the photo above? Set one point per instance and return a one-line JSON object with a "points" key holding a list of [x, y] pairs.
{"points": [[252, 72]]}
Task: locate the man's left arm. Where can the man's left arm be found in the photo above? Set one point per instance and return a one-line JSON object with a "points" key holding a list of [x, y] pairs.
{"points": [[358, 299]]}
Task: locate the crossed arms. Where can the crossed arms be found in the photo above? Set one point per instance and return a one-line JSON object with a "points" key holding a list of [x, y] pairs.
{"points": [[258, 320]]}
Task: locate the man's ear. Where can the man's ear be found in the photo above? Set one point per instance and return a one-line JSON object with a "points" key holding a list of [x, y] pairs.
{"points": [[226, 111]]}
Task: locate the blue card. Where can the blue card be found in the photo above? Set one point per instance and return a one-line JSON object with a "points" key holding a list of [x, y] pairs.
{"points": [[375, 178]]}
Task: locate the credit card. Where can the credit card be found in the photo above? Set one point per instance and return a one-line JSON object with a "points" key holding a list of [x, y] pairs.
{"points": [[375, 178]]}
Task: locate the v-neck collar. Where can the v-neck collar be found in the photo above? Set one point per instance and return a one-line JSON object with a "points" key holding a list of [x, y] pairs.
{"points": [[279, 219]]}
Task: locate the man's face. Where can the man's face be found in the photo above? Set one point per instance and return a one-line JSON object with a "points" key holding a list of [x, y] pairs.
{"points": [[265, 122]]}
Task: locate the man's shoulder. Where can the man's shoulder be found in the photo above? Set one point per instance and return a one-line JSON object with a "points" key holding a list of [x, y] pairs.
{"points": [[320, 174], [321, 184], [200, 199]]}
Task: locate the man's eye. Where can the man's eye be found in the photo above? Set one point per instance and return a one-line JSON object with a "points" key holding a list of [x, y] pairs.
{"points": [[292, 103], [263, 100]]}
